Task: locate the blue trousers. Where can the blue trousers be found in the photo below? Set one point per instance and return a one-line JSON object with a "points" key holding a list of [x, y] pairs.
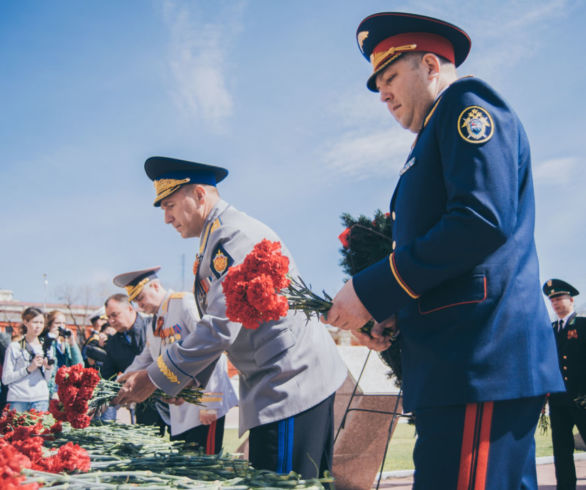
{"points": [[41, 406], [477, 446]]}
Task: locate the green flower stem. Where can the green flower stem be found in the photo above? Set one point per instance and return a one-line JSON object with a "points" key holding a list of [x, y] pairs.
{"points": [[302, 298], [108, 389]]}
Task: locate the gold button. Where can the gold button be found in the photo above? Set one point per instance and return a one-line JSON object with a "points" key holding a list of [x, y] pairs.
{"points": [[565, 357], [565, 368], [565, 379], [393, 216], [394, 244]]}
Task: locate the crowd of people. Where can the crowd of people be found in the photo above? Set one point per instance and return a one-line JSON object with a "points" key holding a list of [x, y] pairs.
{"points": [[33, 351]]}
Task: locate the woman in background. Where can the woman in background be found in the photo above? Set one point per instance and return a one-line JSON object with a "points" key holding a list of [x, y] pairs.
{"points": [[26, 370], [60, 345]]}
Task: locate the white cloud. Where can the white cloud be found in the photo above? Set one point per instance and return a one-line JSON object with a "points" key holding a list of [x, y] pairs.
{"points": [[531, 13], [366, 155], [510, 32], [359, 109], [198, 50], [556, 171]]}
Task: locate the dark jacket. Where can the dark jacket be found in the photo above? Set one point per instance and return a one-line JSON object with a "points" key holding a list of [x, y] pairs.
{"points": [[464, 277], [121, 348], [571, 344]]}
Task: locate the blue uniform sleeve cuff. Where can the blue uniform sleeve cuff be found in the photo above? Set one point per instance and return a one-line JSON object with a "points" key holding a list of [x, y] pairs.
{"points": [[381, 289]]}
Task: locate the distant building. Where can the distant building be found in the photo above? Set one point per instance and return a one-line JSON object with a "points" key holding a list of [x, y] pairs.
{"points": [[76, 316]]}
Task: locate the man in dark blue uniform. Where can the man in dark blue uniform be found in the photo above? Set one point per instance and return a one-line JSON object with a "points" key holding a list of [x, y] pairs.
{"points": [[463, 279], [564, 412]]}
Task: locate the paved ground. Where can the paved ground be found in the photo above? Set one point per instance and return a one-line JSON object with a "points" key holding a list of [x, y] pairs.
{"points": [[545, 476]]}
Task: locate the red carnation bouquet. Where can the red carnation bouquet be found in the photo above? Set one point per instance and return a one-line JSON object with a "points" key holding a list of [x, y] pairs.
{"points": [[76, 386], [252, 288], [260, 290], [81, 390]]}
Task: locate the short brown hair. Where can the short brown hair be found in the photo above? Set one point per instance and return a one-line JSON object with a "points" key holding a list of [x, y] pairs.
{"points": [[118, 297]]}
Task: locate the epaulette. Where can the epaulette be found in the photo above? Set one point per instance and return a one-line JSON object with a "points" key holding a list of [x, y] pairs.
{"points": [[176, 295]]}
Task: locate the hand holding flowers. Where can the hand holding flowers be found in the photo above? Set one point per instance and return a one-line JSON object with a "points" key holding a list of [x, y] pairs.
{"points": [[347, 311], [260, 290], [81, 390], [136, 387]]}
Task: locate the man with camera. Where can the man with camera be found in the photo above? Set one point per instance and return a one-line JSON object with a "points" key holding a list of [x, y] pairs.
{"points": [[94, 350]]}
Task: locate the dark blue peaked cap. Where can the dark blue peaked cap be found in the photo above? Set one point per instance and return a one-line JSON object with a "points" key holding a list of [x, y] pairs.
{"points": [[169, 174], [383, 37], [557, 287]]}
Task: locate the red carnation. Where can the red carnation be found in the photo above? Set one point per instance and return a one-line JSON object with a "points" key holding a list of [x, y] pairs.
{"points": [[344, 237], [76, 386], [253, 288], [12, 462], [32, 448], [70, 457]]}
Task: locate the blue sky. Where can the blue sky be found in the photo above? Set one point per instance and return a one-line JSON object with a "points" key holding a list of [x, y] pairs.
{"points": [[274, 91]]}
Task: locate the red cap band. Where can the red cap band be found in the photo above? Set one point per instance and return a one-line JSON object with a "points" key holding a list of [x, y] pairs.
{"points": [[389, 49]]}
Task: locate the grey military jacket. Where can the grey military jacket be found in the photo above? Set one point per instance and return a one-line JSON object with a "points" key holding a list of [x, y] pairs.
{"points": [[285, 366], [177, 317]]}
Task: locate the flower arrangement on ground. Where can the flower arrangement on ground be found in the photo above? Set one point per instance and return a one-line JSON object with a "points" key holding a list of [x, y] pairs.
{"points": [[122, 456], [23, 445]]}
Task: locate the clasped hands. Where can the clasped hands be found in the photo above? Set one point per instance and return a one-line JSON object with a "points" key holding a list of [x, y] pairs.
{"points": [[348, 313]]}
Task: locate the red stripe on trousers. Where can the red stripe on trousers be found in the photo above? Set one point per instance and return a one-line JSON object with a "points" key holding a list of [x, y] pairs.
{"points": [[475, 446], [211, 440]]}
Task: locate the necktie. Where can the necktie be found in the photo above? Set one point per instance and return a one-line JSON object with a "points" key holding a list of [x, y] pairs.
{"points": [[560, 325]]}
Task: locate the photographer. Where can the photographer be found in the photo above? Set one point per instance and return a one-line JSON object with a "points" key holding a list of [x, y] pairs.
{"points": [[59, 345], [94, 350], [26, 370]]}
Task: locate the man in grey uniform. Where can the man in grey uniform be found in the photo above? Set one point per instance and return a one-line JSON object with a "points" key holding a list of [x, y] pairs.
{"points": [[289, 369], [175, 316]]}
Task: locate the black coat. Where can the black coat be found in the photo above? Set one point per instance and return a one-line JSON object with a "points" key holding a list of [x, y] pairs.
{"points": [[121, 348], [571, 345]]}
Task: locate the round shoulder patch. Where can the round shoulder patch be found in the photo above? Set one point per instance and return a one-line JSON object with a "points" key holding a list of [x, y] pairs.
{"points": [[475, 125]]}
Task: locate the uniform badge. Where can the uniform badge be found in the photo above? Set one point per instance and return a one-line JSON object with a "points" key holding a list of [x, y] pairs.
{"points": [[475, 125], [572, 334], [221, 260]]}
